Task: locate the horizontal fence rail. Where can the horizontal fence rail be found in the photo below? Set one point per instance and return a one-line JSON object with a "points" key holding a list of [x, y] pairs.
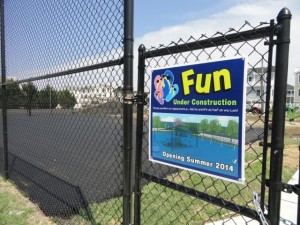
{"points": [[214, 41], [69, 72]]}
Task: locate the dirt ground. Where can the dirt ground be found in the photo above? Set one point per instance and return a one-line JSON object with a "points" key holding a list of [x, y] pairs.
{"points": [[291, 152], [292, 128]]}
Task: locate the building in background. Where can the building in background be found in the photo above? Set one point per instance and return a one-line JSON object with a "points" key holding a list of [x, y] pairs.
{"points": [[93, 95], [257, 86], [290, 94]]}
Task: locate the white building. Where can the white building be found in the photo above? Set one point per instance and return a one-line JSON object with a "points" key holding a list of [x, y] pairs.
{"points": [[257, 86], [93, 95], [290, 94]]}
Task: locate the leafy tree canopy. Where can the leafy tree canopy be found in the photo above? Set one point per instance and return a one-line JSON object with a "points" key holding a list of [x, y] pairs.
{"points": [[66, 99], [47, 98], [215, 126], [204, 125], [232, 129]]}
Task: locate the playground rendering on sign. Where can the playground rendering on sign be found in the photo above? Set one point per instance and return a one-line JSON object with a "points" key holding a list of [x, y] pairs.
{"points": [[208, 144]]}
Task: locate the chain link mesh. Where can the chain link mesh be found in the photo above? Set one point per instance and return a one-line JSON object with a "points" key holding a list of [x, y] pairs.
{"points": [[65, 118], [162, 205]]}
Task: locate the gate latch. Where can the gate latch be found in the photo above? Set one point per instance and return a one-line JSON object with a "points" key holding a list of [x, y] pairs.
{"points": [[288, 188], [140, 99]]}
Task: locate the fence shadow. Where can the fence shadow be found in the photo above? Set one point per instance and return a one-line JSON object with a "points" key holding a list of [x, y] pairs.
{"points": [[54, 196]]}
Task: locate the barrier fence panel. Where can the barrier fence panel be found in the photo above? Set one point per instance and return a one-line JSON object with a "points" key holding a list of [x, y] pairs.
{"points": [[65, 65], [169, 195], [67, 117]]}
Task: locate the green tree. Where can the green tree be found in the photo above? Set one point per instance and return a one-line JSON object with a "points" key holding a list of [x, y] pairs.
{"points": [[156, 121], [204, 126], [215, 126], [193, 128], [29, 91], [14, 95], [232, 129], [66, 99], [47, 98]]}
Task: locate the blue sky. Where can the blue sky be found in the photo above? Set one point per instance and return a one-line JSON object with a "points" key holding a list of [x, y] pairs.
{"points": [[156, 22], [153, 15], [161, 22], [170, 117]]}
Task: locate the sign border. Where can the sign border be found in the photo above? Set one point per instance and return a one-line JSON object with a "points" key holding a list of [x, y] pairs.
{"points": [[241, 180]]}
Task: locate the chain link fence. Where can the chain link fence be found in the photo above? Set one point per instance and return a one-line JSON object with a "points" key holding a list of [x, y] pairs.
{"points": [[68, 100], [65, 75], [175, 196]]}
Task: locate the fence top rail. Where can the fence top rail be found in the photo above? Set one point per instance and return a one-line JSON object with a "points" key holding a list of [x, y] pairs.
{"points": [[69, 72], [237, 37]]}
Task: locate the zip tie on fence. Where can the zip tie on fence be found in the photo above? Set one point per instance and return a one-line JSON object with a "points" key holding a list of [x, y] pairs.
{"points": [[258, 209]]}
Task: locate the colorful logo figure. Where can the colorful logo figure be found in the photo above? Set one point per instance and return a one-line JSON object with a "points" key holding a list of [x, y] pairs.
{"points": [[165, 90]]}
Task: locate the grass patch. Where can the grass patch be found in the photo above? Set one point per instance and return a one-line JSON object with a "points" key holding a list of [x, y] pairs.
{"points": [[172, 207], [16, 209], [11, 212], [161, 205], [106, 213]]}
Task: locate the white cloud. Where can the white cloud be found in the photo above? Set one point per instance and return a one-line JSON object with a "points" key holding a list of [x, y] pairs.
{"points": [[245, 10], [168, 119], [224, 120], [253, 11]]}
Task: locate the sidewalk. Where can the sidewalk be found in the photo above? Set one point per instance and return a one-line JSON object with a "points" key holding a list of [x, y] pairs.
{"points": [[288, 210]]}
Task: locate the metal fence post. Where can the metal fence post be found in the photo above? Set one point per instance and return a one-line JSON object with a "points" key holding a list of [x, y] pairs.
{"points": [[298, 208], [278, 121], [139, 135], [266, 125], [4, 95], [127, 109]]}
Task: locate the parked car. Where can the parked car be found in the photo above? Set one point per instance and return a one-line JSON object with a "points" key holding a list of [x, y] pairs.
{"points": [[253, 106], [256, 107]]}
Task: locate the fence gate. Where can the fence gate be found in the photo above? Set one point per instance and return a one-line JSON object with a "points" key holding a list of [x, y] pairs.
{"points": [[166, 195]]}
